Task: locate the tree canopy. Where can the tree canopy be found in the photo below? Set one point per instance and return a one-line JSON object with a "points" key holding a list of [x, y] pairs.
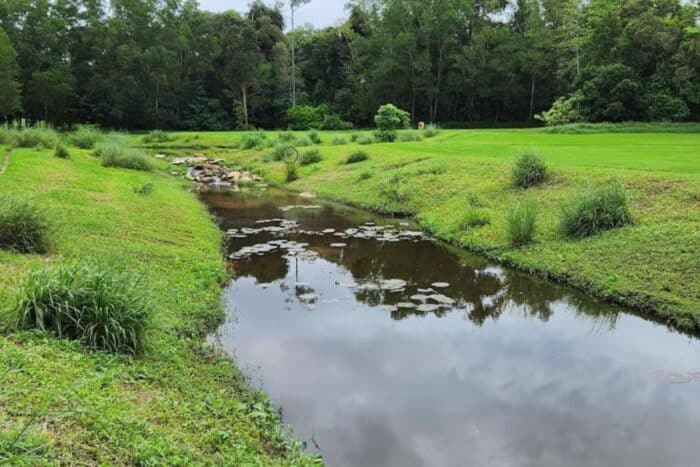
{"points": [[168, 64]]}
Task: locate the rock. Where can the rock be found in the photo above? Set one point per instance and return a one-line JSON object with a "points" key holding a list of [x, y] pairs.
{"points": [[160, 156], [179, 161], [307, 195], [419, 297], [441, 299], [406, 305], [308, 297], [440, 285], [338, 245], [426, 308]]}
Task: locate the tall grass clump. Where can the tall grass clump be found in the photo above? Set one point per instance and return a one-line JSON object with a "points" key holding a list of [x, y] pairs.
{"points": [[356, 157], [529, 170], [292, 173], [36, 137], [395, 189], [114, 154], [594, 211], [61, 152], [474, 217], [86, 136], [279, 152], [7, 135], [312, 156], [521, 224], [364, 139], [304, 141], [252, 140], [431, 131], [24, 226], [408, 135], [339, 141], [314, 137], [158, 136], [287, 137], [97, 307]]}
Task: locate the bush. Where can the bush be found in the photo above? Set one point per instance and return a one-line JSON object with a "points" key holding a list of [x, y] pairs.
{"points": [[409, 135], [61, 152], [529, 170], [24, 227], [114, 154], [563, 111], [334, 122], [86, 137], [595, 211], [390, 118], [252, 140], [431, 131], [157, 136], [292, 173], [521, 224], [97, 307], [36, 137], [474, 217], [339, 141], [314, 137], [357, 156], [8, 135], [306, 117], [310, 157]]}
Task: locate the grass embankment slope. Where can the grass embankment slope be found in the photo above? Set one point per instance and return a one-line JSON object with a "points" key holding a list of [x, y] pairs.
{"points": [[653, 265], [180, 403]]}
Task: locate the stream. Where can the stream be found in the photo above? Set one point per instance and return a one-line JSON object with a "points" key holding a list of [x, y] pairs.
{"points": [[386, 348]]}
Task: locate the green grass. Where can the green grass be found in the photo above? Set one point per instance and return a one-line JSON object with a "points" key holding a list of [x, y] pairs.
{"points": [[651, 265], [181, 403]]}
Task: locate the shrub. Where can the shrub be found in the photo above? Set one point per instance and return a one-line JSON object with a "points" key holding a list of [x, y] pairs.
{"points": [[310, 157], [521, 224], [334, 122], [595, 211], [357, 156], [390, 118], [339, 141], [314, 137], [563, 111], [157, 136], [431, 131], [145, 189], [252, 140], [61, 152], [8, 135], [36, 137], [292, 172], [86, 136], [529, 170], [24, 227], [474, 217], [99, 308], [306, 117], [409, 135]]}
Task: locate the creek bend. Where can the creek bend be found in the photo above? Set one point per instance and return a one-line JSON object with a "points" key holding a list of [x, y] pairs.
{"points": [[388, 349]]}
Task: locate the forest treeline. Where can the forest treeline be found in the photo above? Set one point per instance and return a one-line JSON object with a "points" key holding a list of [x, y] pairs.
{"points": [[168, 64]]}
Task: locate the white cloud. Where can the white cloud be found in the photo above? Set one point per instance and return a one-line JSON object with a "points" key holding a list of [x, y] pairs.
{"points": [[319, 13]]}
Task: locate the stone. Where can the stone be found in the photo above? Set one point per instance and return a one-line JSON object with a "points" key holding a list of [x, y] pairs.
{"points": [[440, 285], [307, 194]]}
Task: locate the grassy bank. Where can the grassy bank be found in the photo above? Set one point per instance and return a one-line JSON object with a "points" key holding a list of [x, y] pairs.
{"points": [[652, 265], [180, 403]]}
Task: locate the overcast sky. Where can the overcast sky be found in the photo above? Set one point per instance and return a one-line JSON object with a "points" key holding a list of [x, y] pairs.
{"points": [[320, 13]]}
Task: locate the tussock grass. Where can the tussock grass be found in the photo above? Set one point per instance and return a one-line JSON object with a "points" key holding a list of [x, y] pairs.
{"points": [[594, 211], [314, 137], [357, 156], [339, 141], [97, 307], [364, 139], [36, 137], [158, 136], [408, 135], [252, 140], [114, 154], [474, 217], [86, 136], [311, 156], [521, 224], [304, 141], [292, 173], [145, 189], [61, 152], [279, 152], [529, 170], [24, 226], [431, 131]]}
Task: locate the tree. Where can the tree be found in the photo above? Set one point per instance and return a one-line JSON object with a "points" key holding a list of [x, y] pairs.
{"points": [[293, 4], [10, 98]]}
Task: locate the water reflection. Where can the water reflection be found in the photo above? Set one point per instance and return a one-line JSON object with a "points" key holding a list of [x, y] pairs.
{"points": [[518, 371]]}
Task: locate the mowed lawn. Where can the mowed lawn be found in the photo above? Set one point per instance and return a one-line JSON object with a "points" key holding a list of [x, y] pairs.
{"points": [[653, 265], [179, 404]]}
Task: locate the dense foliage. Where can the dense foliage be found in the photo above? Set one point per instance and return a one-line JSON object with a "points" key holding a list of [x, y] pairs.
{"points": [[154, 64]]}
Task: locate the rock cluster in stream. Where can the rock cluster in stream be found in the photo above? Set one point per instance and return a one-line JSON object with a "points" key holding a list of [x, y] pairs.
{"points": [[213, 172]]}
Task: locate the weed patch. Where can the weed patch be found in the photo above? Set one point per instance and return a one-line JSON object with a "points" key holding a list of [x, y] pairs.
{"points": [[24, 227]]}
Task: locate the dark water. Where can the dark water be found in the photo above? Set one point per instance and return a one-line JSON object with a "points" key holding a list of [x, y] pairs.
{"points": [[515, 372]]}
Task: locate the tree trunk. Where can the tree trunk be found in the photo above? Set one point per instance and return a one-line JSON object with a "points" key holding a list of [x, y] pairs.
{"points": [[532, 98], [244, 102], [157, 106]]}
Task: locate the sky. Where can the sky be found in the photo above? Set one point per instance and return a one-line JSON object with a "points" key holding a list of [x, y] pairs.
{"points": [[319, 13]]}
